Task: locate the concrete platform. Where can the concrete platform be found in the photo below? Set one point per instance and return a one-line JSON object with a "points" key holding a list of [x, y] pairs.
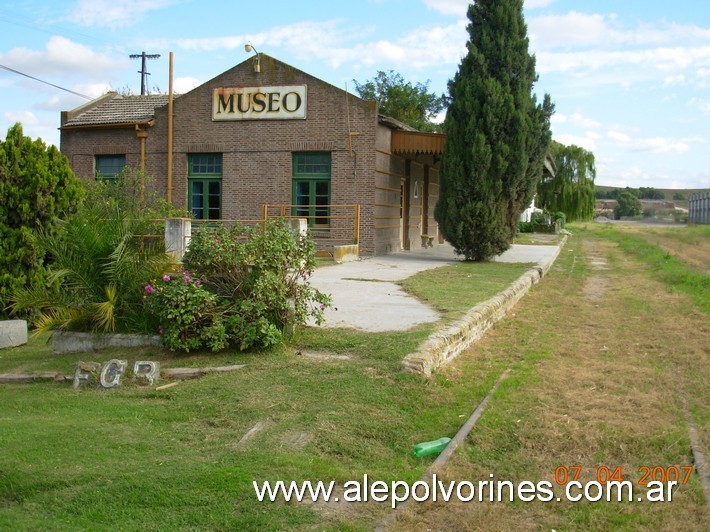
{"points": [[367, 299]]}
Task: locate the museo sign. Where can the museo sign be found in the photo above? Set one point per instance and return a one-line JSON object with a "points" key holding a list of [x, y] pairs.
{"points": [[259, 103]]}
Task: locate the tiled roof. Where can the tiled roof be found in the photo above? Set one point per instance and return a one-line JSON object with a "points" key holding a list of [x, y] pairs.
{"points": [[119, 110]]}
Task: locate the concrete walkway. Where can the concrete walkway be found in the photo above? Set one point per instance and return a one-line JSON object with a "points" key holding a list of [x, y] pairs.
{"points": [[366, 298]]}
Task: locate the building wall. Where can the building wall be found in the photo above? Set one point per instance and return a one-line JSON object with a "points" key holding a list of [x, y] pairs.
{"points": [[389, 177], [399, 175], [81, 146], [257, 154], [423, 195]]}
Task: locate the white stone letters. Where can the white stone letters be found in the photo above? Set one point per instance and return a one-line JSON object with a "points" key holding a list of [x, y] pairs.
{"points": [[109, 374]]}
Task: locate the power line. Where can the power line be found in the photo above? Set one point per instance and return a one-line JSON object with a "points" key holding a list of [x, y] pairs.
{"points": [[45, 82]]}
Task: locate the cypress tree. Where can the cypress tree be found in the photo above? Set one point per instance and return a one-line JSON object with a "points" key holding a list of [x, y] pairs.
{"points": [[496, 134], [37, 186]]}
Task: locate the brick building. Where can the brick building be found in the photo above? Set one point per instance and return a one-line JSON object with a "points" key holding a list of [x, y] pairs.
{"points": [[270, 141]]}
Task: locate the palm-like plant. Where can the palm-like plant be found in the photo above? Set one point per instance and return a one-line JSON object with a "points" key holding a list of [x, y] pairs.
{"points": [[98, 268]]}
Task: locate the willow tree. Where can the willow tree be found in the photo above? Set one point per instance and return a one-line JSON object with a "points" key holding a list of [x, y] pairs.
{"points": [[571, 189], [497, 134]]}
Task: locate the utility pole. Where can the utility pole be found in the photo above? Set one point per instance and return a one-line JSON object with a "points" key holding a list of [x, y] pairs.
{"points": [[143, 72]]}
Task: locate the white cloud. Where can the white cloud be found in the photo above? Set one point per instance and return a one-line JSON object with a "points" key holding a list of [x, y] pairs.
{"points": [[702, 104], [24, 117], [575, 119], [113, 14], [658, 59], [185, 85], [449, 7], [618, 136], [534, 4], [660, 145], [670, 81], [59, 57], [573, 29], [576, 29], [585, 142], [460, 7], [582, 121], [420, 48]]}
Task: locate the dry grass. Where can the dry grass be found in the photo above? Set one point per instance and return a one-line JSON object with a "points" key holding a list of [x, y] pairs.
{"points": [[605, 356], [691, 244]]}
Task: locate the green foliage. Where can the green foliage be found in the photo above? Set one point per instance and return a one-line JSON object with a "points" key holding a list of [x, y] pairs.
{"points": [[497, 134], [99, 264], [627, 205], [538, 219], [571, 189], [190, 314], [614, 193], [253, 286], [678, 196], [650, 193], [560, 217], [412, 104], [37, 187]]}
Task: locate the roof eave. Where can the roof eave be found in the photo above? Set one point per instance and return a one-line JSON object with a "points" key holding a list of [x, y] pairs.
{"points": [[117, 125]]}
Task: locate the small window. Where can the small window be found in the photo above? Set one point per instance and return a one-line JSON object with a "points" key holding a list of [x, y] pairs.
{"points": [[206, 163], [109, 166], [310, 164]]}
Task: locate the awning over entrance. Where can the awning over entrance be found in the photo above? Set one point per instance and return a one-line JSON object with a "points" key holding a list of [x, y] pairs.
{"points": [[416, 143]]}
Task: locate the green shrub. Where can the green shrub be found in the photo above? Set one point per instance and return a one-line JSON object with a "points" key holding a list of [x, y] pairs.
{"points": [[561, 217], [190, 316], [245, 287], [525, 227], [37, 188], [538, 218], [628, 205], [98, 263]]}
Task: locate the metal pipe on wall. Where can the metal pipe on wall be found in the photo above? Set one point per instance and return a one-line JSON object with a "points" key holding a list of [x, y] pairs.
{"points": [[170, 131]]}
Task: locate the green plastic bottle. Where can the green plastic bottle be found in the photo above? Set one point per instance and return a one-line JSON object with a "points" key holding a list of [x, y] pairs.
{"points": [[430, 447]]}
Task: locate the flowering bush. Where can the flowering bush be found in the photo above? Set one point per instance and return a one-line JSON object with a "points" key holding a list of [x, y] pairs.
{"points": [[242, 287], [189, 316]]}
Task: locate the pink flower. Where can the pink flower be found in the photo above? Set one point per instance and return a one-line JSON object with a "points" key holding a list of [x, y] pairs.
{"points": [[149, 289], [166, 278], [161, 331], [198, 283], [187, 279]]}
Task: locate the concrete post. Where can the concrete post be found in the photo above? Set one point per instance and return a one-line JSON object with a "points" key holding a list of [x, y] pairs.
{"points": [[299, 227], [178, 232]]}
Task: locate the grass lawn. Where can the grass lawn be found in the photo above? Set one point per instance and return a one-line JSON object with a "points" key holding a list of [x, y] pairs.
{"points": [[605, 353], [133, 457]]}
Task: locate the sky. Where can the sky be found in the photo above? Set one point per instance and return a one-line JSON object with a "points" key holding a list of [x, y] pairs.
{"points": [[630, 79]]}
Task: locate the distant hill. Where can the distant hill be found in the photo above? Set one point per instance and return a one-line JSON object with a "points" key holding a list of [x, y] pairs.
{"points": [[667, 192]]}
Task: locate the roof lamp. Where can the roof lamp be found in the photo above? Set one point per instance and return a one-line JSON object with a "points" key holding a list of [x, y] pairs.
{"points": [[248, 47]]}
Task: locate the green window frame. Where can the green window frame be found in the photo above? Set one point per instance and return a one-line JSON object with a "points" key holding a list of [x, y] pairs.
{"points": [[311, 187], [204, 185], [109, 167]]}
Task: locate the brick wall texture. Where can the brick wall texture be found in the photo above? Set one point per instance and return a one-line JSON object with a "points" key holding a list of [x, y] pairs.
{"points": [[257, 155]]}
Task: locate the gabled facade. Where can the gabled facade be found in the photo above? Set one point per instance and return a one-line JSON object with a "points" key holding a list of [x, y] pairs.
{"points": [[275, 142]]}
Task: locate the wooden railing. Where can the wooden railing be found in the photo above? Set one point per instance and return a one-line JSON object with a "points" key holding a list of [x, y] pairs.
{"points": [[341, 225]]}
